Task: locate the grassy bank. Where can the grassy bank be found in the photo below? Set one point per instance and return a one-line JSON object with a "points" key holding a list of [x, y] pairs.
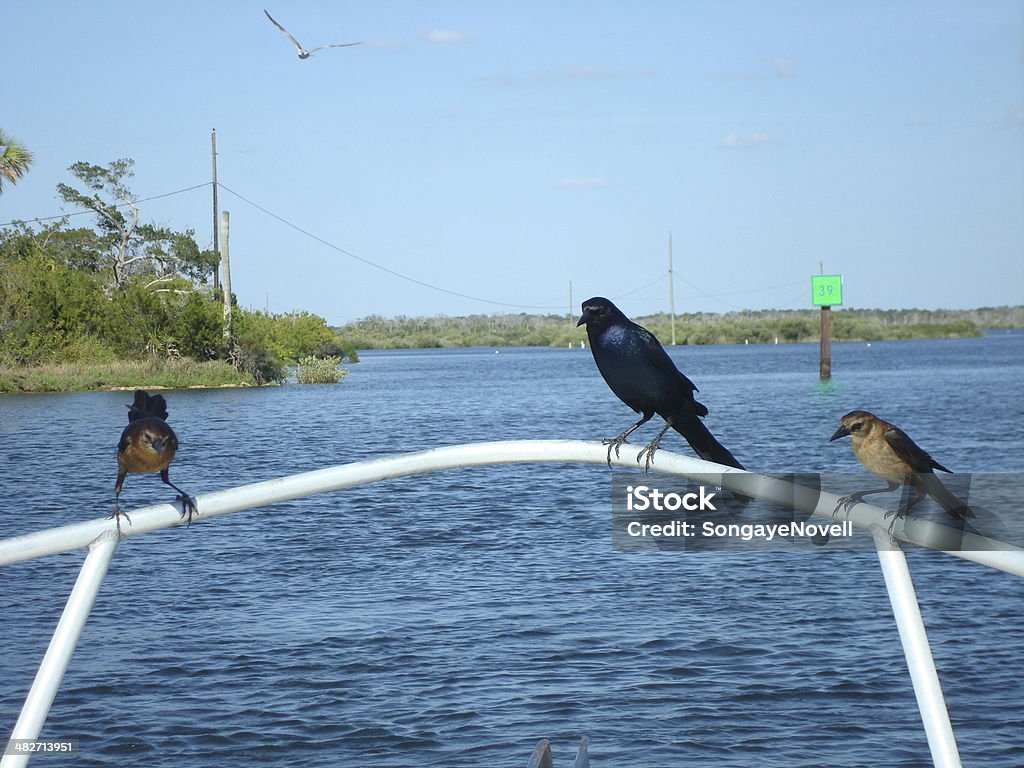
{"points": [[763, 327], [153, 373]]}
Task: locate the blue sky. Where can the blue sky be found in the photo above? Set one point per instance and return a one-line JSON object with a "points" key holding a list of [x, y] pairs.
{"points": [[501, 150]]}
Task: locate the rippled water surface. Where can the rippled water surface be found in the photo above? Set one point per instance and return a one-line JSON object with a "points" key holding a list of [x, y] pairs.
{"points": [[455, 619]]}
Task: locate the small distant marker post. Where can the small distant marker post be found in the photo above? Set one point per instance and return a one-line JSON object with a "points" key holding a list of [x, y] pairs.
{"points": [[826, 292]]}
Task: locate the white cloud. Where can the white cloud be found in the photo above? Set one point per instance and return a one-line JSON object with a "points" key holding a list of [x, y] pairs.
{"points": [[745, 140], [1013, 114], [784, 67], [569, 74], [444, 36], [596, 73], [586, 183]]}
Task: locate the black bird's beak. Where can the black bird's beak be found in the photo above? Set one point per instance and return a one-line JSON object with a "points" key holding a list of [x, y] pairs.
{"points": [[841, 432], [584, 318]]}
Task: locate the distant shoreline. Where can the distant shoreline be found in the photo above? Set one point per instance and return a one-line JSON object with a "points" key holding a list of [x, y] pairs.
{"points": [[512, 331], [760, 327]]}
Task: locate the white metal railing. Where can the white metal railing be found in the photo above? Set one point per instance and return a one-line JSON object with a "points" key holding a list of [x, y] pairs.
{"points": [[100, 538]]}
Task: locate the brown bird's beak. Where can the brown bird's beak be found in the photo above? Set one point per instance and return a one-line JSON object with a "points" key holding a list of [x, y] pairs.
{"points": [[841, 432]]}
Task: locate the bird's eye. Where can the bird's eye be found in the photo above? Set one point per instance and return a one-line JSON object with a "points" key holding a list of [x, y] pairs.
{"points": [[857, 426]]}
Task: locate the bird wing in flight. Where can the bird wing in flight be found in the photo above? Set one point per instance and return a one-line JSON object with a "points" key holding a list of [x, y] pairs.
{"points": [[285, 32], [338, 45]]}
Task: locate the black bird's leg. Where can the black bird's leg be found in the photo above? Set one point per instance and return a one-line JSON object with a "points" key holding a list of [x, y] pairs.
{"points": [[188, 504], [649, 449], [118, 512], [618, 441], [848, 501]]}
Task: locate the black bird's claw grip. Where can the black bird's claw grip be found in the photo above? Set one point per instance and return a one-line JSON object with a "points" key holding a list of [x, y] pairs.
{"points": [[188, 507], [613, 445]]}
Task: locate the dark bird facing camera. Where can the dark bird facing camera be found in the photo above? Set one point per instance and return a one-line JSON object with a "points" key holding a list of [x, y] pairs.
{"points": [[885, 450], [148, 444], [640, 373]]}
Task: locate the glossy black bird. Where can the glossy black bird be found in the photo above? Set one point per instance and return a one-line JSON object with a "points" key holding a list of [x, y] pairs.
{"points": [[148, 444], [887, 451], [642, 375]]}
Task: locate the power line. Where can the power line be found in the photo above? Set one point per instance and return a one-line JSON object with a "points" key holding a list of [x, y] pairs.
{"points": [[375, 265], [765, 288], [119, 205], [408, 278], [719, 298], [658, 279]]}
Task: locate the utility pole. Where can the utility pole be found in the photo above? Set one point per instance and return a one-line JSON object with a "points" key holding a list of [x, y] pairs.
{"points": [[671, 289], [225, 265], [572, 307], [216, 223]]}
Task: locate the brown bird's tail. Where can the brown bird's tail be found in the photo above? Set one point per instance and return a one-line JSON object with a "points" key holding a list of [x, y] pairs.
{"points": [[943, 497], [703, 442], [147, 405]]}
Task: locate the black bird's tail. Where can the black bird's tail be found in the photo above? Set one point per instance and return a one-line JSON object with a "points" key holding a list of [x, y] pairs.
{"points": [[147, 405], [703, 442]]}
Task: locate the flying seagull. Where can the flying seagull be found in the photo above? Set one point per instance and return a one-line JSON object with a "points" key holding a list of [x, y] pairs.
{"points": [[303, 53]]}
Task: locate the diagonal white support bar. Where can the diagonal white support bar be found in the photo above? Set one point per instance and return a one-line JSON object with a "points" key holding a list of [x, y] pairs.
{"points": [[925, 678], [62, 645]]}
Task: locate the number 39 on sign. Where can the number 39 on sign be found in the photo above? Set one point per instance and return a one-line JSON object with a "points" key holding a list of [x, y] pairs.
{"points": [[826, 290]]}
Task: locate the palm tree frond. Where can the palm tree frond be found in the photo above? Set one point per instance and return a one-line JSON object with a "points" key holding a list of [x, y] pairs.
{"points": [[15, 159]]}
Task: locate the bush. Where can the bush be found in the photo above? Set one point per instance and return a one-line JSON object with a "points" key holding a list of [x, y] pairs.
{"points": [[319, 370]]}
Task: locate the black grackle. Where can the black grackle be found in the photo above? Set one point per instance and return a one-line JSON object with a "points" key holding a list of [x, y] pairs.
{"points": [[642, 375]]}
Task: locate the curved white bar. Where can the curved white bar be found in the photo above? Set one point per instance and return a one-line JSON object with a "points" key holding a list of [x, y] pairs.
{"points": [[924, 533]]}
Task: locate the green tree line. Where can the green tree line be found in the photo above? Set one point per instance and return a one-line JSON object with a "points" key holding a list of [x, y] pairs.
{"points": [[760, 327], [126, 290]]}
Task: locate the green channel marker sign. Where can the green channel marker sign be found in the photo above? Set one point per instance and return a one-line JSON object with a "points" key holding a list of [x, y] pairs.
{"points": [[826, 290]]}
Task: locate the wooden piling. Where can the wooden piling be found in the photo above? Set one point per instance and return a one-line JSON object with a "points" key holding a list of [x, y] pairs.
{"points": [[825, 365]]}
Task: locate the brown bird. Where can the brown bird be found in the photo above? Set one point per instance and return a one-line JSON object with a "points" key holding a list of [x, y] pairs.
{"points": [[148, 444], [888, 452]]}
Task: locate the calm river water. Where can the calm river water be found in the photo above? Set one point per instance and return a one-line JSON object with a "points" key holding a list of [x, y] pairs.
{"points": [[455, 619]]}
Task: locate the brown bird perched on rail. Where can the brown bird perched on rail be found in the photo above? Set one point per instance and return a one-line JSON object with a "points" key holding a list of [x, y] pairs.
{"points": [[888, 452], [148, 444]]}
